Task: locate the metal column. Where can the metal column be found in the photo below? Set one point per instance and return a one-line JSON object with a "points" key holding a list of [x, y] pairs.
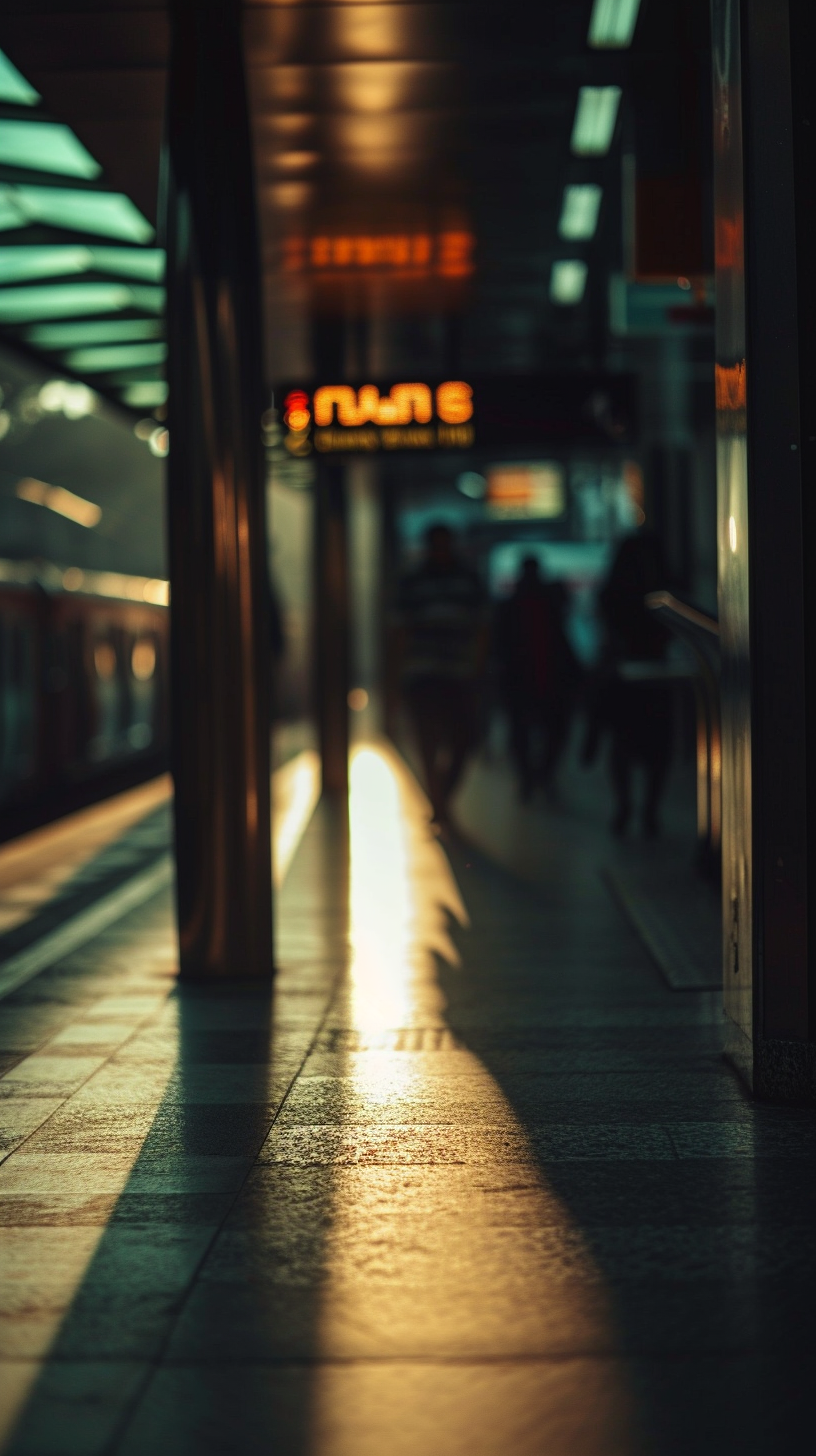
{"points": [[220, 606], [766, 424]]}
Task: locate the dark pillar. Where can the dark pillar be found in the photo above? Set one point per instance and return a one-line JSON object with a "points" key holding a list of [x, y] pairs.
{"points": [[220, 608], [332, 657], [764, 131]]}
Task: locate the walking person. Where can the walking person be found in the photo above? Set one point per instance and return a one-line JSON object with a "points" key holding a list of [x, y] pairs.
{"points": [[539, 675], [439, 652], [632, 703]]}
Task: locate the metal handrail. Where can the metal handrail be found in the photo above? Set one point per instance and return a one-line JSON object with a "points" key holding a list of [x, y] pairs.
{"points": [[663, 599]]}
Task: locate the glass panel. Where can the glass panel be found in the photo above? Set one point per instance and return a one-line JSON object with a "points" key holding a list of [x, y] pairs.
{"points": [[45, 146], [19, 264], [13, 86], [61, 300], [109, 214], [118, 356], [144, 263], [101, 331], [146, 394]]}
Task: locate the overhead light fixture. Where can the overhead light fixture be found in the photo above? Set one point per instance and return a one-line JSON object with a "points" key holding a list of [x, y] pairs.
{"points": [[13, 86], [568, 281], [145, 393], [93, 331], [472, 484], [579, 210], [612, 24], [595, 118], [66, 300], [56, 498], [100, 360], [107, 214], [45, 146], [62, 396], [17, 264]]}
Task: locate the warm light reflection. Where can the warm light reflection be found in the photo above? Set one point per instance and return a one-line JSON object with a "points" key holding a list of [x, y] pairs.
{"points": [[447, 1240], [402, 896], [295, 791]]}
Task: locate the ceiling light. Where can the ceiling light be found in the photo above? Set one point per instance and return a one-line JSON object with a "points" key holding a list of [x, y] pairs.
{"points": [[108, 214], [19, 264], [159, 442], [116, 356], [75, 401], [64, 300], [56, 498], [13, 86], [145, 394], [45, 146], [146, 264], [568, 281], [595, 118], [92, 331], [612, 24], [471, 484], [36, 261], [579, 210]]}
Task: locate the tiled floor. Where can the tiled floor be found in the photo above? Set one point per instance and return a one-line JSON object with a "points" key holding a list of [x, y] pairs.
{"points": [[471, 1181]]}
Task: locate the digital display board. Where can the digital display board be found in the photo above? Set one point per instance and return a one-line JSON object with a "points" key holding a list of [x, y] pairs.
{"points": [[457, 414]]}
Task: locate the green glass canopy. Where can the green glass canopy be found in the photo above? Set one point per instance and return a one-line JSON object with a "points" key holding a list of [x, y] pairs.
{"points": [[115, 356], [45, 146], [108, 214], [43, 294], [13, 86], [147, 394], [63, 300], [17, 264], [95, 331]]}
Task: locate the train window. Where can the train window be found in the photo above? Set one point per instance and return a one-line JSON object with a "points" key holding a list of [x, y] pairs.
{"points": [[143, 659], [105, 660]]}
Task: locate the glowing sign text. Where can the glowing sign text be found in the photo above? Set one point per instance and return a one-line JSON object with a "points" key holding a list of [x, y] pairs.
{"points": [[407, 417], [447, 254]]}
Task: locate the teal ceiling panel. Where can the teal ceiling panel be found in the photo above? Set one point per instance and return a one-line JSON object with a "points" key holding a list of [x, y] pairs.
{"points": [[108, 214], [13, 86], [115, 356], [66, 300], [45, 146], [95, 331]]}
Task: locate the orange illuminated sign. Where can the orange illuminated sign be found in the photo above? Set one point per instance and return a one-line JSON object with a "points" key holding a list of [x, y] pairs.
{"points": [[446, 254], [407, 416]]}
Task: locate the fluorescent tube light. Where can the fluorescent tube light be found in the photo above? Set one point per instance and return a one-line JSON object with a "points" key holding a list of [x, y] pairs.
{"points": [[93, 331], [45, 146], [56, 498], [612, 24], [146, 394], [115, 356], [568, 281], [13, 86], [579, 210], [107, 214], [595, 118], [67, 300]]}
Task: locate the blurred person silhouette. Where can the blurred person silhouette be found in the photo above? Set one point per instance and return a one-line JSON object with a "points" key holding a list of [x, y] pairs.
{"points": [[439, 652], [631, 704], [539, 673]]}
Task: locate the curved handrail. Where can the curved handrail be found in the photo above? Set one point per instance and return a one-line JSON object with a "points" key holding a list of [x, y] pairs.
{"points": [[658, 600]]}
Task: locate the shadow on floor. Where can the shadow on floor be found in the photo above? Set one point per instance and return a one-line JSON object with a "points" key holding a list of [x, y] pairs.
{"points": [[202, 1254], [697, 1204]]}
